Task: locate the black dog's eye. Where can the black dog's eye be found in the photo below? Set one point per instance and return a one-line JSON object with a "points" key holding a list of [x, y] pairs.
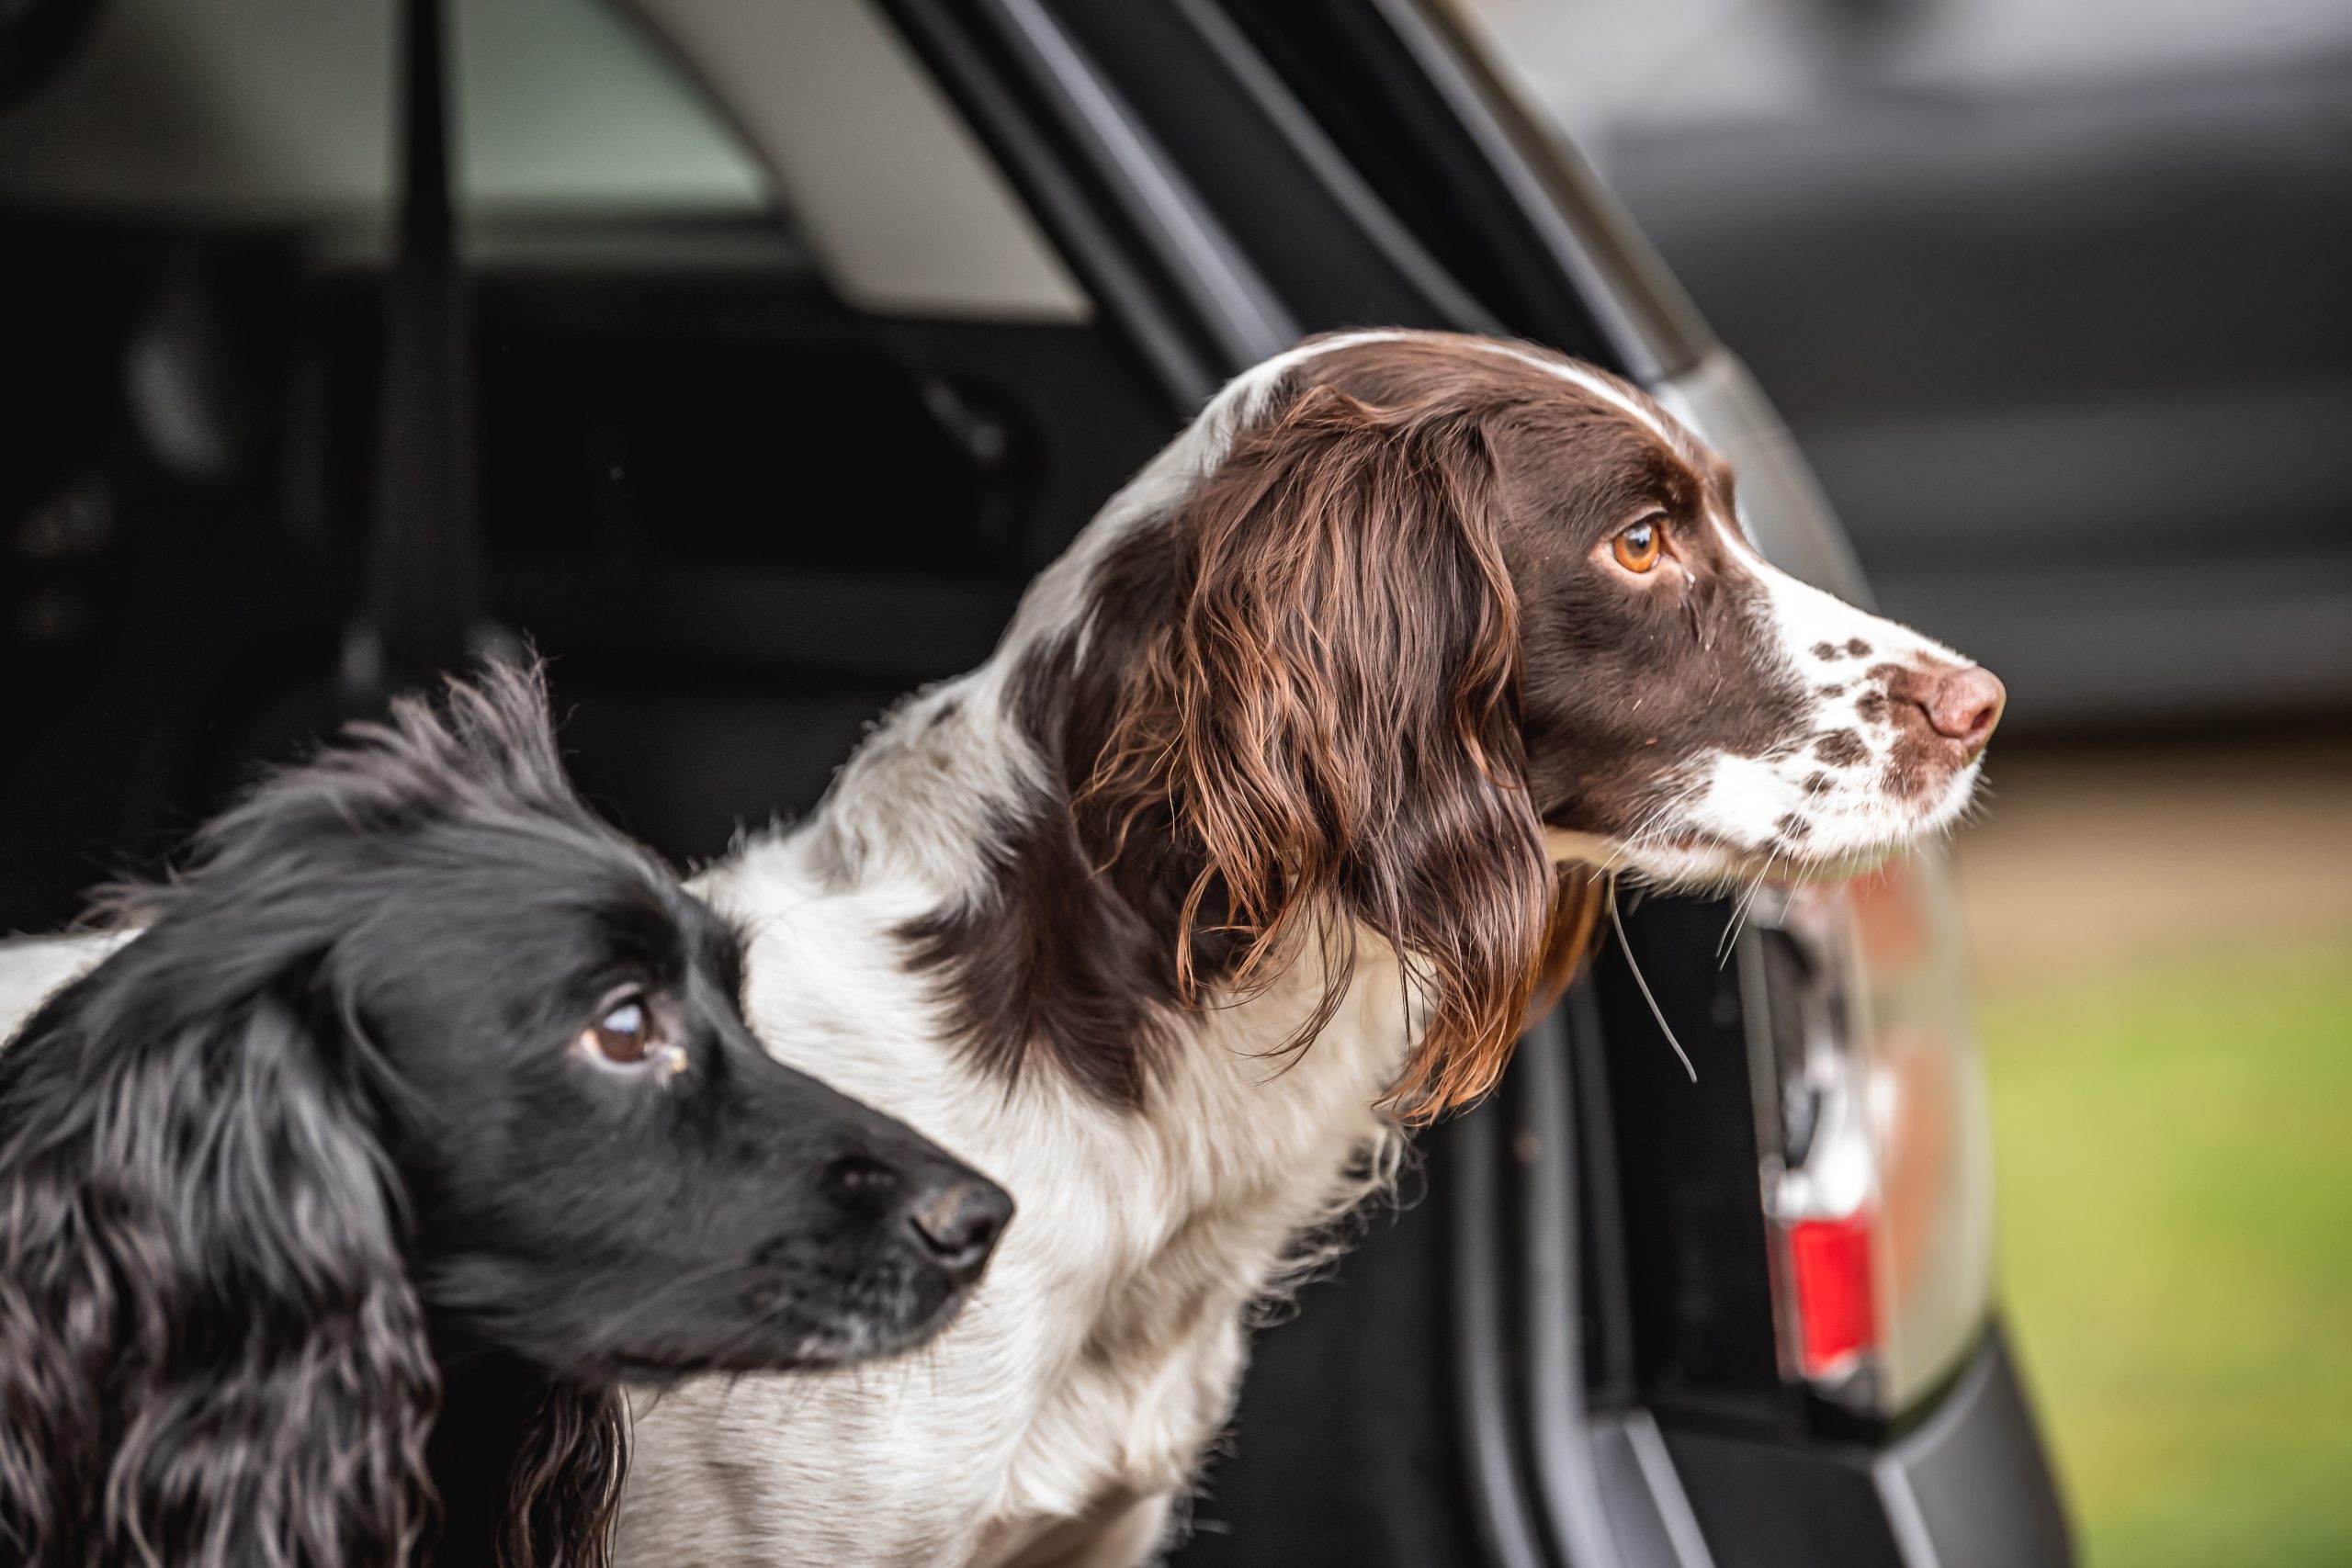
{"points": [[627, 1037], [621, 1035]]}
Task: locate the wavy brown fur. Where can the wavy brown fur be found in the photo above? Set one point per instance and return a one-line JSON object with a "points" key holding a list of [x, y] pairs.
{"points": [[1330, 714]]}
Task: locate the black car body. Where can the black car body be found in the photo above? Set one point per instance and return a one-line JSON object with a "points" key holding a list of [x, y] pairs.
{"points": [[751, 462]]}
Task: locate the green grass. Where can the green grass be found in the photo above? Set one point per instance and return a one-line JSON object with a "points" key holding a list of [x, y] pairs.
{"points": [[2176, 1168]]}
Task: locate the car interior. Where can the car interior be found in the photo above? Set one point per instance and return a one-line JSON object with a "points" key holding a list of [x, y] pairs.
{"points": [[739, 509]]}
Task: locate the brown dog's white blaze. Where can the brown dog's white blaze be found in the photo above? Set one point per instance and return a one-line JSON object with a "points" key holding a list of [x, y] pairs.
{"points": [[1422, 616], [1889, 750]]}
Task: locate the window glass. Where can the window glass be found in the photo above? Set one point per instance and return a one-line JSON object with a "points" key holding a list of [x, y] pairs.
{"points": [[905, 211], [564, 106], [228, 111], [270, 111]]}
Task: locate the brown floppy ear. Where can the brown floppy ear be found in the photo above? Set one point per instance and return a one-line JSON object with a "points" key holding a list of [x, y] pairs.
{"points": [[1330, 718]]}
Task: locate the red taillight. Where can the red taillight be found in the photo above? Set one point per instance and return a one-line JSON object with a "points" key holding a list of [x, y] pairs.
{"points": [[1876, 1160], [1829, 1264]]}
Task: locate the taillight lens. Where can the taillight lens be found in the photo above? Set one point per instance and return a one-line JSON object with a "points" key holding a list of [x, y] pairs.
{"points": [[1871, 1110], [1837, 1293]]}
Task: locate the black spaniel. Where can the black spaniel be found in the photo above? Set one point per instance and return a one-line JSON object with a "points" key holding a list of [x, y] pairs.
{"points": [[419, 1092]]}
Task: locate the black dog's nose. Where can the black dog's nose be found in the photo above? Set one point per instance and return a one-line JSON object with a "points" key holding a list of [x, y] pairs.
{"points": [[958, 1217]]}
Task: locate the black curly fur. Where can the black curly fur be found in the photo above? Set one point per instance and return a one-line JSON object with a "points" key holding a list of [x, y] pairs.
{"points": [[311, 1144]]}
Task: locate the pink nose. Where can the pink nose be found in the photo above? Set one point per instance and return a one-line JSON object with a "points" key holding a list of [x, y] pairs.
{"points": [[1966, 704]]}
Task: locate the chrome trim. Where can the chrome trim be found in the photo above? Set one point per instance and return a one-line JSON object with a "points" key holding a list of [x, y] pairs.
{"points": [[1666, 1490], [1781, 505], [1566, 1473], [1499, 1498], [1650, 321], [1331, 168], [1233, 301]]}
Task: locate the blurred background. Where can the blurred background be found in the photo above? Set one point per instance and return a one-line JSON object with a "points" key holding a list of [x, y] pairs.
{"points": [[2057, 297], [2055, 294]]}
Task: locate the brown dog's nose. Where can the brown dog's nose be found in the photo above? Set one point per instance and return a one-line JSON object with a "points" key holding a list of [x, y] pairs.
{"points": [[1966, 704]]}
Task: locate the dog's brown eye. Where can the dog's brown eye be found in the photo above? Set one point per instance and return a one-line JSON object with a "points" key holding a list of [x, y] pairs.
{"points": [[624, 1035], [630, 1035], [1636, 548]]}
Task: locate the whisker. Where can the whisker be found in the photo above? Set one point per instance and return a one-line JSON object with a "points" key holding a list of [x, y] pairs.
{"points": [[1656, 1012], [1739, 914]]}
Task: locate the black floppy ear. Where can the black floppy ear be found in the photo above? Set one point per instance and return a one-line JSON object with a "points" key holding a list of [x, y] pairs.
{"points": [[564, 1488], [209, 1351]]}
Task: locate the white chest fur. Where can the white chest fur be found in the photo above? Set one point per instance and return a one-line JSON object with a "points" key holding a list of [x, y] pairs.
{"points": [[1101, 1353]]}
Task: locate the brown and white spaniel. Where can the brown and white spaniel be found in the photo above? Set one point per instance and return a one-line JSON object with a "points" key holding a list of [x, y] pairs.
{"points": [[1291, 787]]}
